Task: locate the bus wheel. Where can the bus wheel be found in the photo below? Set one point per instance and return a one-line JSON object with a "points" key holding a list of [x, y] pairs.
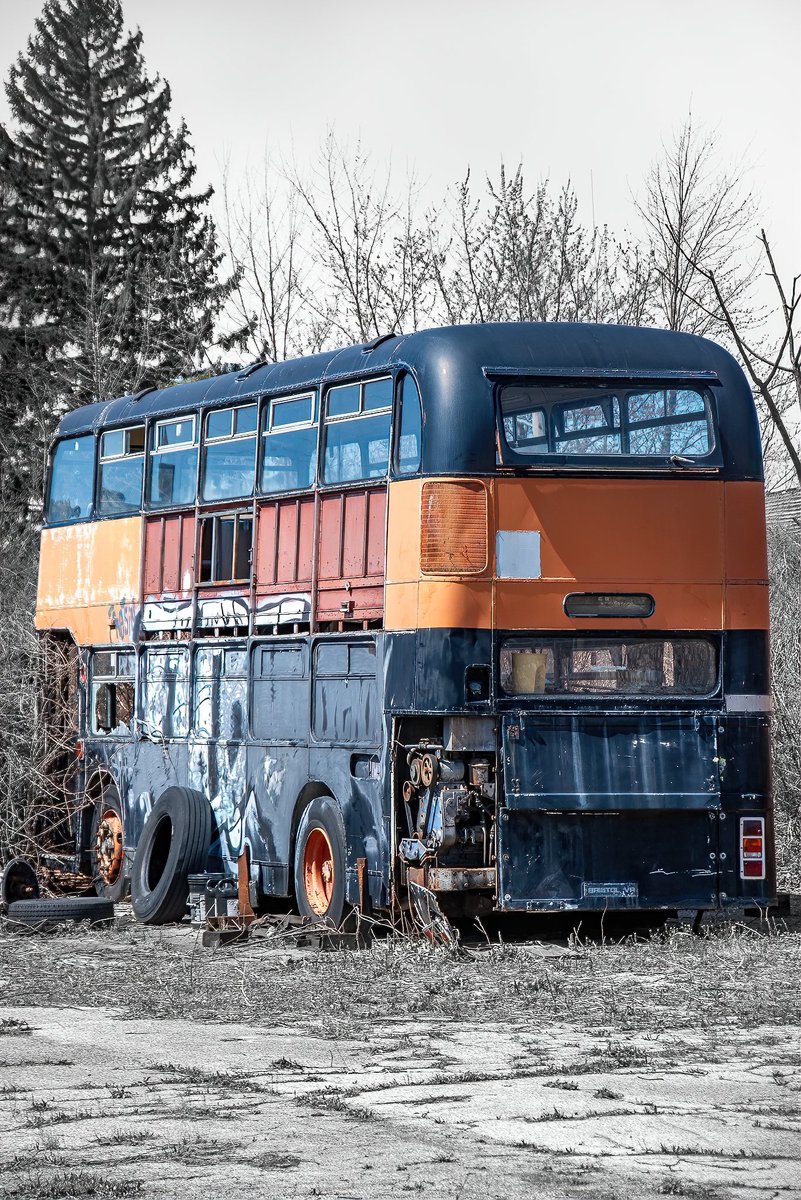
{"points": [[320, 862], [110, 877], [174, 845]]}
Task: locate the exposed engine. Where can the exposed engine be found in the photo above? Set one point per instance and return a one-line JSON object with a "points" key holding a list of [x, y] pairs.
{"points": [[450, 808]]}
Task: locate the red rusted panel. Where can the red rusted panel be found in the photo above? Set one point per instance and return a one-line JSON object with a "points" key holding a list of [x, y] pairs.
{"points": [[376, 533], [187, 552], [153, 542], [354, 536], [169, 552], [288, 522], [306, 540], [330, 551], [265, 559]]}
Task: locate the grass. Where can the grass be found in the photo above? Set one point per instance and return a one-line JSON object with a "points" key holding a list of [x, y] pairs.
{"points": [[732, 976], [72, 1185]]}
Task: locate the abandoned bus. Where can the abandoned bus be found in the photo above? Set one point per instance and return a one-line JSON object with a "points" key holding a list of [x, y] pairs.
{"points": [[481, 609]]}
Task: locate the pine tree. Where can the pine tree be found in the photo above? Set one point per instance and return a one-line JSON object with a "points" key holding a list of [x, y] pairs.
{"points": [[108, 259]]}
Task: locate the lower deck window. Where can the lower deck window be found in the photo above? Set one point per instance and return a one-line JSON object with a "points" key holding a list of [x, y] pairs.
{"points": [[604, 666], [113, 692], [225, 549], [165, 693]]}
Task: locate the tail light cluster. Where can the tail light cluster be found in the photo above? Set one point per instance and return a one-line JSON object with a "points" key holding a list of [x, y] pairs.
{"points": [[454, 534], [752, 847]]}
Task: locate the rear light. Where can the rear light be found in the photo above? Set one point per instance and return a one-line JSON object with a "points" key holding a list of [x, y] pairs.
{"points": [[752, 847], [453, 533]]}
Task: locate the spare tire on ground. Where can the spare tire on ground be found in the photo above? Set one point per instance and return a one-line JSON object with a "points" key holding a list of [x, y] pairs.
{"points": [[45, 914], [174, 845]]}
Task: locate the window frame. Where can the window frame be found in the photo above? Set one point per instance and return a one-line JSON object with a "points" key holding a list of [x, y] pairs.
{"points": [[126, 456], [221, 439], [51, 463], [215, 518], [397, 426], [155, 649], [361, 415], [267, 428], [609, 389], [207, 645], [596, 640], [96, 680], [153, 448]]}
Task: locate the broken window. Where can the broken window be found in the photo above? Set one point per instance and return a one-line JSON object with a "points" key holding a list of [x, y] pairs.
{"points": [[72, 480], [173, 463], [358, 420], [164, 709], [220, 693], [225, 548], [229, 455], [289, 453], [113, 674], [625, 666], [121, 469], [597, 419]]}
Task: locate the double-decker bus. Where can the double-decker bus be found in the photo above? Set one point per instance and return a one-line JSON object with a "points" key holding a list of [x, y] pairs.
{"points": [[481, 609]]}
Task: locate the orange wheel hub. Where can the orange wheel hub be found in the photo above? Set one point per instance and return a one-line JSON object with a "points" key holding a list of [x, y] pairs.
{"points": [[108, 846], [318, 871]]}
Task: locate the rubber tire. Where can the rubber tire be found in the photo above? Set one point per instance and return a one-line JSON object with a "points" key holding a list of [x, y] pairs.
{"points": [[323, 813], [47, 913], [17, 875], [159, 881], [119, 890]]}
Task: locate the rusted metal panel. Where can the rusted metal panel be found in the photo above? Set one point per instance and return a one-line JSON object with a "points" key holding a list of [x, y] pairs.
{"points": [[331, 527], [376, 532], [169, 553], [354, 536], [266, 546], [460, 879]]}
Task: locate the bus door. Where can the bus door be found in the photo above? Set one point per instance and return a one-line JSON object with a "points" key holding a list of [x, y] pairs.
{"points": [[609, 810]]}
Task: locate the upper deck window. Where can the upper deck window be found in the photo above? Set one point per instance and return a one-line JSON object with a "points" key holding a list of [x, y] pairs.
{"points": [[229, 456], [122, 464], [72, 480], [172, 477], [358, 420], [605, 421], [407, 447], [289, 451]]}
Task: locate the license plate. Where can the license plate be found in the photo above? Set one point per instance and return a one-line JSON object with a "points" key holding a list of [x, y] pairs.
{"points": [[609, 891]]}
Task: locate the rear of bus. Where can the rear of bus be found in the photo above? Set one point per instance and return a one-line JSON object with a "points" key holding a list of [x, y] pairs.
{"points": [[588, 601]]}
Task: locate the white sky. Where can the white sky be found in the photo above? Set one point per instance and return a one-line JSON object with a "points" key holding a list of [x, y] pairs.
{"points": [[573, 87]]}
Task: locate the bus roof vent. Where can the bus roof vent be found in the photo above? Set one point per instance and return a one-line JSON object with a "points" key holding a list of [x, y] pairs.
{"points": [[253, 367], [376, 342]]}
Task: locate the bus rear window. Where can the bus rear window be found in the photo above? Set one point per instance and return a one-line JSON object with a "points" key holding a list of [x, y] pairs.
{"points": [[604, 421], [72, 480], [604, 666]]}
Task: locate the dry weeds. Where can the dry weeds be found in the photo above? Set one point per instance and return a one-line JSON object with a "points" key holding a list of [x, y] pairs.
{"points": [[732, 976]]}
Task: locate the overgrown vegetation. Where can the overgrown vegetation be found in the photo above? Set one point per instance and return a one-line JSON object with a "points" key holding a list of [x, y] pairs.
{"points": [[733, 977]]}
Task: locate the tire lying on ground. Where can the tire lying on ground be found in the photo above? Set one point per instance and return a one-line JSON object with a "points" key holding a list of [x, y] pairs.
{"points": [[48, 913], [174, 844]]}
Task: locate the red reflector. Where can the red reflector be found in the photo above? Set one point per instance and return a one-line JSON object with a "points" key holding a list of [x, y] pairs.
{"points": [[79, 749], [752, 845], [751, 827], [752, 869]]}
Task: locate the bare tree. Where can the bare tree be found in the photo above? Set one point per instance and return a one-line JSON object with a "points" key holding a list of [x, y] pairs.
{"points": [[510, 255], [697, 214], [261, 230], [371, 262]]}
